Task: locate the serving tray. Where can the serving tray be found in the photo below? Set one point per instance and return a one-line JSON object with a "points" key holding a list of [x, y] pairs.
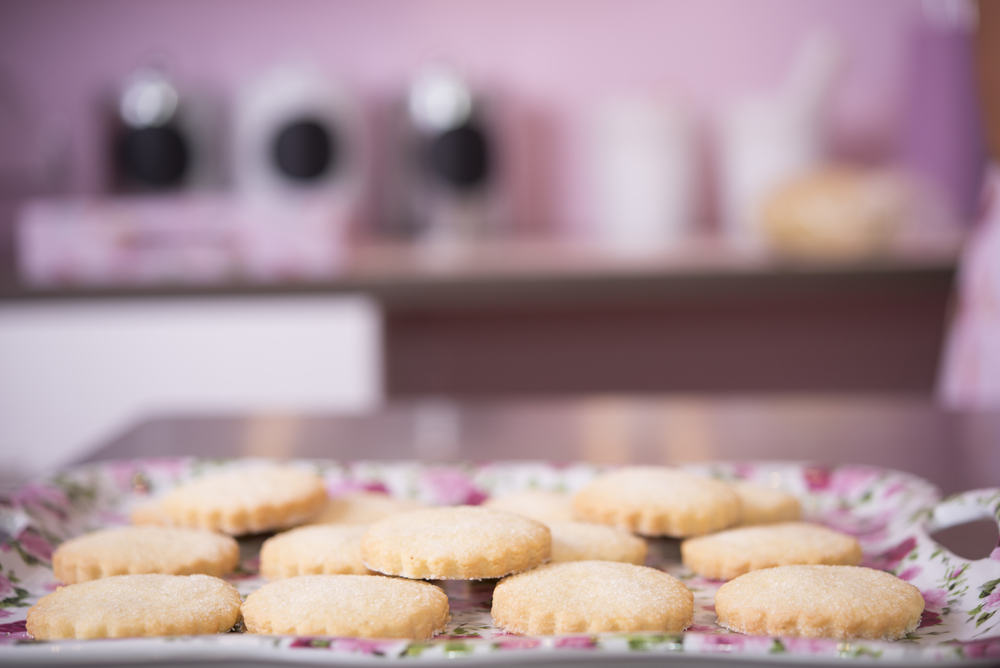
{"points": [[891, 513]]}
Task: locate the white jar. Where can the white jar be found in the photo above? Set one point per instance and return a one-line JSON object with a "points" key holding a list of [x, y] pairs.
{"points": [[643, 164]]}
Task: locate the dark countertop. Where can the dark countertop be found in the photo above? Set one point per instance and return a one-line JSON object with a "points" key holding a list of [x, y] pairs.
{"points": [[957, 451], [954, 450]]}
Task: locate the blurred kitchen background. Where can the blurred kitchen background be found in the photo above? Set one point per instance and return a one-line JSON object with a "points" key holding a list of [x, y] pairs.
{"points": [[234, 205]]}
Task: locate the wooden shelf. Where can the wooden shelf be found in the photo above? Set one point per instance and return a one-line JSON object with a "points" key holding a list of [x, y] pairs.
{"points": [[539, 316], [541, 269]]}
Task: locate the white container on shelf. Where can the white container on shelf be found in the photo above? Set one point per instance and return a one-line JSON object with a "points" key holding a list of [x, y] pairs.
{"points": [[644, 166], [765, 139], [762, 144]]}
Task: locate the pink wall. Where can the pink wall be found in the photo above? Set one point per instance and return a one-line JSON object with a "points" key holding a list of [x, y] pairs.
{"points": [[549, 60]]}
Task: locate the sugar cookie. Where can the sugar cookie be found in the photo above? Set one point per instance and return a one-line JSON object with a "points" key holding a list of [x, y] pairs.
{"points": [[580, 541], [149, 513], [455, 543], [365, 606], [591, 597], [764, 505], [728, 554], [658, 501], [316, 549], [362, 508], [136, 605], [151, 549], [541, 505], [840, 602], [247, 499]]}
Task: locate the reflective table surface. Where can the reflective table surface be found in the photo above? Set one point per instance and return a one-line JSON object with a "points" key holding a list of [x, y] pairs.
{"points": [[955, 450]]}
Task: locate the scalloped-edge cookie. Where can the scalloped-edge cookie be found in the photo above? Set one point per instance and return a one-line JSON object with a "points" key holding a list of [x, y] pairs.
{"points": [[247, 499], [123, 606], [731, 553], [765, 505], [144, 549], [592, 597], [356, 606], [363, 508], [455, 543], [581, 541], [842, 602], [538, 504], [658, 501], [149, 513], [316, 549]]}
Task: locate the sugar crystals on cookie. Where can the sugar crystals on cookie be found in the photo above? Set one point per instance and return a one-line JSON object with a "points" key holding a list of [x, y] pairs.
{"points": [[765, 505], [592, 597], [363, 508], [582, 541], [843, 602], [144, 549], [359, 606], [728, 554], [136, 605], [455, 543], [658, 501], [313, 550], [247, 499], [538, 504]]}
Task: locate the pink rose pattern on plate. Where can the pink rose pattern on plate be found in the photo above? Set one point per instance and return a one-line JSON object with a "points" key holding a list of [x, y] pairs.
{"points": [[888, 511]]}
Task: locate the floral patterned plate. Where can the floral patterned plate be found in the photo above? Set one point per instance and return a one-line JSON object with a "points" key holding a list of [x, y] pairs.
{"points": [[891, 513]]}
